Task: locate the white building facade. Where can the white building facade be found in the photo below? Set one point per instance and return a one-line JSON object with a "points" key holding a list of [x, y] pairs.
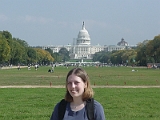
{"points": [[83, 49]]}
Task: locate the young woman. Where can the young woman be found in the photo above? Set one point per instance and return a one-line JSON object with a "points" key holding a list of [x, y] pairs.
{"points": [[78, 92]]}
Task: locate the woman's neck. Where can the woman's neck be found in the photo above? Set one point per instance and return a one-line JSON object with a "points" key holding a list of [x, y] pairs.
{"points": [[77, 101], [77, 105]]}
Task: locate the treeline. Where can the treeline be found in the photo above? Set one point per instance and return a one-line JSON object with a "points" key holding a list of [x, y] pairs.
{"points": [[16, 51], [146, 52]]}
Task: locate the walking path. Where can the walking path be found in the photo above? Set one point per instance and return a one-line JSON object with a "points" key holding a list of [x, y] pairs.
{"points": [[8, 67], [60, 86]]}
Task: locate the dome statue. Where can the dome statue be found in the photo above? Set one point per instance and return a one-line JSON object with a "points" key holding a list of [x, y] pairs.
{"points": [[122, 43], [83, 36]]}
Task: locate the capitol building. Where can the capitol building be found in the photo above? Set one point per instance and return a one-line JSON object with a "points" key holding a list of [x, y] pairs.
{"points": [[82, 47]]}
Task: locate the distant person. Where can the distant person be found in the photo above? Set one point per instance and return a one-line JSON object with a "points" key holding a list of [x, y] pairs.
{"points": [[52, 68], [49, 70], [29, 67], [78, 103], [10, 66], [36, 66], [67, 66], [18, 67]]}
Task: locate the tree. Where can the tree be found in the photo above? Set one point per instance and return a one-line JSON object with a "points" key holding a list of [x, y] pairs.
{"points": [[64, 53], [18, 53], [148, 51], [31, 55], [43, 56], [141, 57], [153, 49], [103, 57], [21, 42], [7, 35], [96, 56], [57, 57], [124, 57], [4, 49]]}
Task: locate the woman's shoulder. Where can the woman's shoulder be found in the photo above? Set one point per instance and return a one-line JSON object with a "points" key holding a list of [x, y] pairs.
{"points": [[97, 106], [56, 106], [61, 103], [96, 103], [98, 111]]}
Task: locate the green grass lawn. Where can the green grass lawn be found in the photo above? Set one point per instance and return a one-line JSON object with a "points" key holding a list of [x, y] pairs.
{"points": [[118, 103], [98, 76]]}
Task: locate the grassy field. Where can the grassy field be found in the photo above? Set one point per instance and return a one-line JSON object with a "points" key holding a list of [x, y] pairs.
{"points": [[118, 103], [98, 76]]}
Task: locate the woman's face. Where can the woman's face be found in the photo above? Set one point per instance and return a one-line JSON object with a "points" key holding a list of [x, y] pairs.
{"points": [[75, 86]]}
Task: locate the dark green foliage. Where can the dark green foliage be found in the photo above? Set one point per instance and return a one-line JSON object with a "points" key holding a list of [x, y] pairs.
{"points": [[64, 53]]}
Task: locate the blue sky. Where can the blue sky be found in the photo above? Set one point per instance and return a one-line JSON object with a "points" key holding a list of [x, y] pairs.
{"points": [[57, 22]]}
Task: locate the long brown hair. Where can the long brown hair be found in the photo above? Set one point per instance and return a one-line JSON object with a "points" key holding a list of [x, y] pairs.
{"points": [[88, 92]]}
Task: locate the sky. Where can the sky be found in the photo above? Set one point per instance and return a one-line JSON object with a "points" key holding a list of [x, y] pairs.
{"points": [[58, 22]]}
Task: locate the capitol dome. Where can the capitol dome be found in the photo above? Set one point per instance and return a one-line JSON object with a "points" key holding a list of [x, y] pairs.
{"points": [[122, 43], [83, 37]]}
